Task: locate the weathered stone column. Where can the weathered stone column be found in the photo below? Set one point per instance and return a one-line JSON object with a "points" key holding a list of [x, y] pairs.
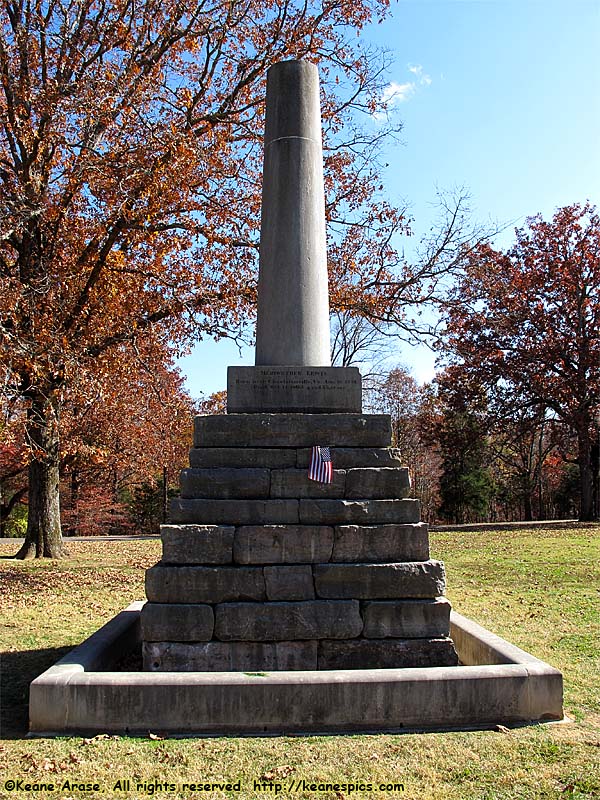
{"points": [[293, 372], [293, 306]]}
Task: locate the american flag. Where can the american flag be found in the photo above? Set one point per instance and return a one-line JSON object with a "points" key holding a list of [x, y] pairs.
{"points": [[321, 468]]}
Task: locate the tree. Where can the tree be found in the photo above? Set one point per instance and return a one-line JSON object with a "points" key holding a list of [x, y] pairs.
{"points": [[130, 139], [460, 432], [123, 425], [520, 445], [216, 403], [525, 324]]}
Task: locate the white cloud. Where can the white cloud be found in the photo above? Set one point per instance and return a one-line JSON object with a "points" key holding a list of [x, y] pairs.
{"points": [[417, 70], [397, 93], [393, 94]]}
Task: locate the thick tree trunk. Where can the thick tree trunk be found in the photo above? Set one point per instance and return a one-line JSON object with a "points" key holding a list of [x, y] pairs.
{"points": [[43, 538], [586, 509]]}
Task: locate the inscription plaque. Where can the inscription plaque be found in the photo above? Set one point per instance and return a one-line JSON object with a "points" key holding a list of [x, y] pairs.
{"points": [[325, 390]]}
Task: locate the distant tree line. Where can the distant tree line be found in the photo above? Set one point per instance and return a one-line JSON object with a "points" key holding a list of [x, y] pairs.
{"points": [[513, 418], [466, 465]]}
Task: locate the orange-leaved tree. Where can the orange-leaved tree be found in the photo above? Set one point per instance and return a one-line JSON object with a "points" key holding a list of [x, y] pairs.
{"points": [[525, 326], [130, 138], [122, 425]]}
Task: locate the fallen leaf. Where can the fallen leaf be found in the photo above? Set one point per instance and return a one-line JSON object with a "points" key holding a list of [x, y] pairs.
{"points": [[501, 729], [278, 772]]}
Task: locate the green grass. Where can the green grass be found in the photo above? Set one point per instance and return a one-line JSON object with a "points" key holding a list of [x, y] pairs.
{"points": [[537, 588]]}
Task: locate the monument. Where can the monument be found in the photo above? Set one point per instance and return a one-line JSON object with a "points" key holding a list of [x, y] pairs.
{"points": [[264, 568], [283, 604]]}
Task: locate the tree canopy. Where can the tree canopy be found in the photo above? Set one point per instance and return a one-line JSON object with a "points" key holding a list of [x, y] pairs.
{"points": [[525, 326]]}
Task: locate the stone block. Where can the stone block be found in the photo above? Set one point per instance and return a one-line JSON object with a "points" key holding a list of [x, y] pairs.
{"points": [[165, 584], [406, 619], [289, 582], [386, 654], [411, 579], [366, 512], [234, 512], [257, 457], [229, 656], [296, 483], [378, 483], [294, 389], [197, 544], [312, 619], [227, 483], [177, 622], [371, 543], [293, 430], [353, 457], [282, 544]]}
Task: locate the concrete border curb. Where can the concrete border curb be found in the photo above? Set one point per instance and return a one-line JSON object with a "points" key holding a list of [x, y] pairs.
{"points": [[499, 683]]}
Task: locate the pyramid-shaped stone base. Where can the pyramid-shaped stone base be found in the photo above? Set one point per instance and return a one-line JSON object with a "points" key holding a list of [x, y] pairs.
{"points": [[264, 569]]}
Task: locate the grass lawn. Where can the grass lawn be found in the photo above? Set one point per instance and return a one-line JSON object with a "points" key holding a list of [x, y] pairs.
{"points": [[537, 588]]}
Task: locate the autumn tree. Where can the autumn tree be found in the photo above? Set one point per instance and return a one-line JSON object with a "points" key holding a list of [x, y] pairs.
{"points": [[130, 149], [216, 403], [525, 324], [124, 425], [124, 421]]}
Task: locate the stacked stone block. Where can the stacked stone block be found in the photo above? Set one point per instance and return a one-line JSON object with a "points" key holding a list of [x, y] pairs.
{"points": [[264, 569]]}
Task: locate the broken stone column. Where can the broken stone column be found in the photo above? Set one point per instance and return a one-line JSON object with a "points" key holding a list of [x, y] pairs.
{"points": [[293, 371], [292, 325]]}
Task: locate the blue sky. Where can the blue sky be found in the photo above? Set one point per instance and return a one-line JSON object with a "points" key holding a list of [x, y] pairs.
{"points": [[499, 96]]}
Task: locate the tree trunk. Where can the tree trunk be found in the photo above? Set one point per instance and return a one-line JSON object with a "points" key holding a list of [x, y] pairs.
{"points": [[43, 538], [586, 509], [527, 506], [595, 459]]}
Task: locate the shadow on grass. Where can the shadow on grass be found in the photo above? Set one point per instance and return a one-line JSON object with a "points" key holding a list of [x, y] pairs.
{"points": [[17, 670]]}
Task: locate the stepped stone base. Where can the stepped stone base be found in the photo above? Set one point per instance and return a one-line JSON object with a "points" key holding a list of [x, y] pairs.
{"points": [[265, 569], [294, 512], [293, 544], [220, 584], [222, 483]]}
